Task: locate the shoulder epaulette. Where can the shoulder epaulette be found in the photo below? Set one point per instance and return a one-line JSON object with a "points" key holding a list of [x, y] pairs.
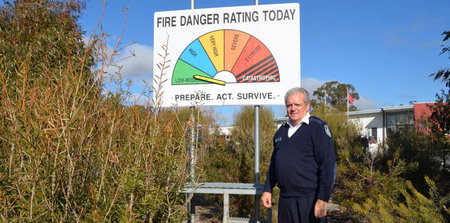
{"points": [[316, 119]]}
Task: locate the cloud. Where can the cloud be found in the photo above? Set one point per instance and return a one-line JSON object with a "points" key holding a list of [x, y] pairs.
{"points": [[407, 96], [311, 84], [365, 104], [395, 41], [137, 67], [133, 64], [411, 33]]}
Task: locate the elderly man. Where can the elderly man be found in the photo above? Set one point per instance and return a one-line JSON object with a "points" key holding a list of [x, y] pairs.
{"points": [[303, 164]]}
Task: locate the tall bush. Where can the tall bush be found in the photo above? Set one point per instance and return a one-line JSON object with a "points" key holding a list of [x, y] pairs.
{"points": [[68, 152], [231, 158]]}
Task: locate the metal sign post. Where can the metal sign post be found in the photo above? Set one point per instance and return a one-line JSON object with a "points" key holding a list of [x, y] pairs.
{"points": [[257, 197]]}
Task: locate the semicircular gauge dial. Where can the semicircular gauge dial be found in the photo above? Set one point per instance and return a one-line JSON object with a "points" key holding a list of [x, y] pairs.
{"points": [[225, 56]]}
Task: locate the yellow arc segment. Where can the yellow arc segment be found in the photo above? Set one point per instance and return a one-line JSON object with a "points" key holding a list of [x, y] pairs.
{"points": [[210, 80], [213, 43]]}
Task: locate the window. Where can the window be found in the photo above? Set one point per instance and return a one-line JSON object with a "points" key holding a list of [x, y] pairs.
{"points": [[397, 121], [374, 133]]}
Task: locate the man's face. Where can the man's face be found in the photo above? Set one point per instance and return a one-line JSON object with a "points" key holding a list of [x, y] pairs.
{"points": [[296, 108]]}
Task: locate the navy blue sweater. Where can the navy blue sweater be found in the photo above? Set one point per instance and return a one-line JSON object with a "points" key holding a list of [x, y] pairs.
{"points": [[303, 165]]}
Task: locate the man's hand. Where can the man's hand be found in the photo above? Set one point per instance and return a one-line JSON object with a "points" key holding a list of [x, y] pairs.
{"points": [[320, 209], [266, 199]]}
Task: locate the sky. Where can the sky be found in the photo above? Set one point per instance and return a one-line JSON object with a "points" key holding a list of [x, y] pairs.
{"points": [[386, 49]]}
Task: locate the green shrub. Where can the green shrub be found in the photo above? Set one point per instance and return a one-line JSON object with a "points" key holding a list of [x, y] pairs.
{"points": [[412, 207], [421, 153]]}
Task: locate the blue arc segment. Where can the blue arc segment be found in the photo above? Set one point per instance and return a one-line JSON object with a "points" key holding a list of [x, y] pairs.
{"points": [[196, 56]]}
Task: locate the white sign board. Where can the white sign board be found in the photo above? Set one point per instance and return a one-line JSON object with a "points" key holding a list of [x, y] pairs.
{"points": [[246, 55]]}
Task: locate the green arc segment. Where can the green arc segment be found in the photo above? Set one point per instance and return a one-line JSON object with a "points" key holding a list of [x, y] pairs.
{"points": [[185, 74]]}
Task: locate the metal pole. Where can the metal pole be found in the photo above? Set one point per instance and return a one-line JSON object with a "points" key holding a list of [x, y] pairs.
{"points": [[347, 104], [193, 133], [256, 144], [226, 208], [191, 145], [384, 126], [191, 208], [257, 197]]}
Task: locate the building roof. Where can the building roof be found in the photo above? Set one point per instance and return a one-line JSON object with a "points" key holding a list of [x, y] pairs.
{"points": [[365, 112], [396, 108]]}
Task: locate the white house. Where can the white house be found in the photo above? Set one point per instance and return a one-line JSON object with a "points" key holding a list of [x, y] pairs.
{"points": [[379, 123]]}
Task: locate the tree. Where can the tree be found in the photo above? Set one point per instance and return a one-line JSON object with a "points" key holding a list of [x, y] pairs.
{"points": [[444, 73], [38, 37], [440, 110], [338, 93]]}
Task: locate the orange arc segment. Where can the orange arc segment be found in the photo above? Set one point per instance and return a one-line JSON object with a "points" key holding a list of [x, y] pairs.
{"points": [[234, 44]]}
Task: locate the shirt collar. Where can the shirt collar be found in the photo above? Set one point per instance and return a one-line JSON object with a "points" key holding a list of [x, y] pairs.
{"points": [[305, 120]]}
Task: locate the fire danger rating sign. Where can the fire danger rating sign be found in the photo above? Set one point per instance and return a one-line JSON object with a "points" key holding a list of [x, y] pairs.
{"points": [[247, 55]]}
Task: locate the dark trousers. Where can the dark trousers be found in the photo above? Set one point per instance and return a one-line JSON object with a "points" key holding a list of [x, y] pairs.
{"points": [[297, 210]]}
